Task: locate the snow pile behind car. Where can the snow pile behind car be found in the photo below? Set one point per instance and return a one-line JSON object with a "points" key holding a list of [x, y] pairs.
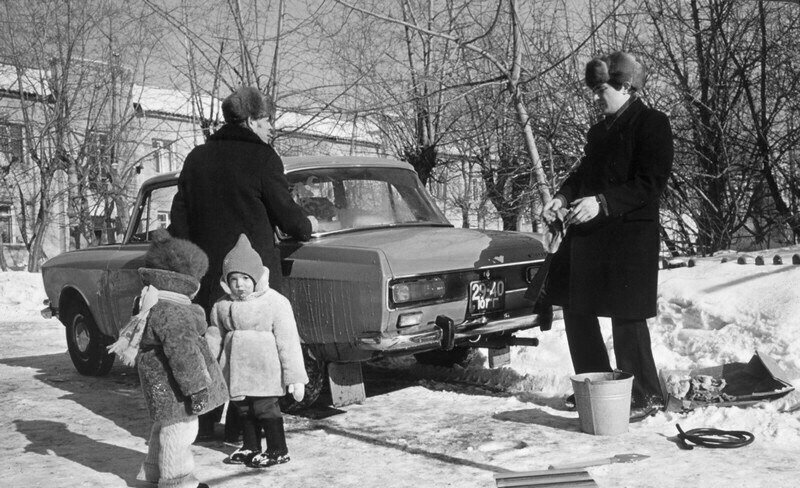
{"points": [[709, 314], [21, 296]]}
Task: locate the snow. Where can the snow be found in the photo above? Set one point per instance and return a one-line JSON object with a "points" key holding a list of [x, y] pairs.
{"points": [[438, 432]]}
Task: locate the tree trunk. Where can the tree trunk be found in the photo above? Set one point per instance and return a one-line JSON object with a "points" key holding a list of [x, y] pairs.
{"points": [[3, 264]]}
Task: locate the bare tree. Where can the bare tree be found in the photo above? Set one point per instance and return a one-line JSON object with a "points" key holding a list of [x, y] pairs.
{"points": [[74, 107], [737, 110]]}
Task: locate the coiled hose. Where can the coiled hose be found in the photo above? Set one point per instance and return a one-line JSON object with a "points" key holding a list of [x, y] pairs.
{"points": [[714, 438]]}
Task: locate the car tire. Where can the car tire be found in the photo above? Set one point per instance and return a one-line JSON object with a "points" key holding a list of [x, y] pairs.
{"points": [[316, 371], [86, 344], [460, 356]]}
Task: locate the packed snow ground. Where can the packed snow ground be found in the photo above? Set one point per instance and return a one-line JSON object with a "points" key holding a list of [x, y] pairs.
{"points": [[432, 433]]}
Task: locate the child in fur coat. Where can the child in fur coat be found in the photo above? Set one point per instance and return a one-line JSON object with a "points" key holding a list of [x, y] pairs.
{"points": [[254, 334], [179, 376]]}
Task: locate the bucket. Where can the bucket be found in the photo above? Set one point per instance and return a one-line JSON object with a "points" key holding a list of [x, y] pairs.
{"points": [[603, 401]]}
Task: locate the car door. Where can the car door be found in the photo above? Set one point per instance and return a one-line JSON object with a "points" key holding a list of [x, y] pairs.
{"points": [[123, 282]]}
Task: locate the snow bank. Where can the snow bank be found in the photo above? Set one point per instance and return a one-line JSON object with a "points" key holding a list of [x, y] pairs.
{"points": [[21, 296], [711, 313], [716, 312]]}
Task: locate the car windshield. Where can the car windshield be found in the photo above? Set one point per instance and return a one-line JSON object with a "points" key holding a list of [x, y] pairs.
{"points": [[344, 199]]}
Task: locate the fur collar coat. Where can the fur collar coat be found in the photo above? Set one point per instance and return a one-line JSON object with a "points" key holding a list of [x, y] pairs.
{"points": [[174, 360], [257, 343]]}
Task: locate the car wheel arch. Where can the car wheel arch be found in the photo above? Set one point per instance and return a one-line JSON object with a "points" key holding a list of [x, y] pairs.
{"points": [[69, 298]]}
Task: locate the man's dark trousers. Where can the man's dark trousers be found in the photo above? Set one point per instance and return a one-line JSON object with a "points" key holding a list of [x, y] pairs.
{"points": [[631, 348]]}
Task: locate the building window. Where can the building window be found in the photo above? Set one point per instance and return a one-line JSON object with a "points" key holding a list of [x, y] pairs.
{"points": [[162, 153], [163, 219], [97, 159], [10, 145], [5, 223], [97, 149]]}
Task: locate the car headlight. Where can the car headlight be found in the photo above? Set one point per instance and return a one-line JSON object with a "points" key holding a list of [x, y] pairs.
{"points": [[418, 290]]}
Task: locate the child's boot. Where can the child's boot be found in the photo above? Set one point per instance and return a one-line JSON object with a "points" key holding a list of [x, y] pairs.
{"points": [[251, 443], [276, 452], [233, 426]]}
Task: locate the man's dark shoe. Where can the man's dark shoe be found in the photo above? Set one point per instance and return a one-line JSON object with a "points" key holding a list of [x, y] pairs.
{"points": [[646, 407], [648, 402], [569, 403]]}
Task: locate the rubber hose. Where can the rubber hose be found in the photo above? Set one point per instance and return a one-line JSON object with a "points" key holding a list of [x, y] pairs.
{"points": [[714, 438]]}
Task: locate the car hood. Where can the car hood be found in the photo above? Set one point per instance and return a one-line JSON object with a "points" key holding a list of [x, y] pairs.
{"points": [[414, 250]]}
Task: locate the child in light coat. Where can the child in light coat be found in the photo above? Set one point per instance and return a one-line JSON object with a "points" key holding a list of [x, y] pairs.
{"points": [[254, 335]]}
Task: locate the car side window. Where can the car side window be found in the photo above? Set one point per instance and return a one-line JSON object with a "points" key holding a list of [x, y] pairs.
{"points": [[153, 213]]}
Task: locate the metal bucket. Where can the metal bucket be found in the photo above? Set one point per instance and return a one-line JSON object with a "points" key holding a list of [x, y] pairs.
{"points": [[603, 401]]}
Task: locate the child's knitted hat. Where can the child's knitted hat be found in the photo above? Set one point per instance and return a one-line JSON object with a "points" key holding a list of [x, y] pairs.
{"points": [[243, 259]]}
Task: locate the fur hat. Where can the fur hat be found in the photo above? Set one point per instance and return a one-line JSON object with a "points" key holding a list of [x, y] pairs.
{"points": [[243, 259], [616, 68], [245, 102], [173, 254]]}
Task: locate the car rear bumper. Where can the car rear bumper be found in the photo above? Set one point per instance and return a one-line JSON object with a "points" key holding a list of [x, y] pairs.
{"points": [[48, 311], [430, 339]]}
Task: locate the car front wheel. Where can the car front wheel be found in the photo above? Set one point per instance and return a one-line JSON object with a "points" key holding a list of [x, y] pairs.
{"points": [[86, 344]]}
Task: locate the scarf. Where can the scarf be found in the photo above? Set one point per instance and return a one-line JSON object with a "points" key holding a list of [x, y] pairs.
{"points": [[127, 346], [610, 119]]}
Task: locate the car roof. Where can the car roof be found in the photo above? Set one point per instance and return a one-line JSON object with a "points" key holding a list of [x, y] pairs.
{"points": [[297, 163]]}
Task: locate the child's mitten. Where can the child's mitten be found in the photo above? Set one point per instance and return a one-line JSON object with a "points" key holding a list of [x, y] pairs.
{"points": [[298, 391], [199, 401]]}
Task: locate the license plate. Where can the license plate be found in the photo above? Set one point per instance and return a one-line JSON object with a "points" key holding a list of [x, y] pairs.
{"points": [[486, 296]]}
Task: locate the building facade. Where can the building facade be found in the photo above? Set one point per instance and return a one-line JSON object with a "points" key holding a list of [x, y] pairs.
{"points": [[112, 151]]}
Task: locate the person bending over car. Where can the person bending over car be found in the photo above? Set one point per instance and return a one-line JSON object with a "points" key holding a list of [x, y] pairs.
{"points": [[235, 184]]}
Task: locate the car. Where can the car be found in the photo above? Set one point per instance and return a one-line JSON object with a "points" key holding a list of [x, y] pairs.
{"points": [[384, 274]]}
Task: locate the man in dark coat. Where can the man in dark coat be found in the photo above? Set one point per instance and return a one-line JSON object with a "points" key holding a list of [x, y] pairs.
{"points": [[235, 184], [607, 264]]}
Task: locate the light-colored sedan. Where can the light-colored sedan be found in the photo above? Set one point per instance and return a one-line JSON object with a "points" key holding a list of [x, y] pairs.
{"points": [[384, 274]]}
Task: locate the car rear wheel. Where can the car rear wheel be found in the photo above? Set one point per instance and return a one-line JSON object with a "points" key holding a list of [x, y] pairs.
{"points": [[461, 356], [86, 344], [315, 369]]}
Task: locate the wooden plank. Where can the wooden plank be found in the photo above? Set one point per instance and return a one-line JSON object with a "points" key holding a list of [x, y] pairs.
{"points": [[555, 478], [540, 472], [572, 484], [499, 357], [347, 384]]}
